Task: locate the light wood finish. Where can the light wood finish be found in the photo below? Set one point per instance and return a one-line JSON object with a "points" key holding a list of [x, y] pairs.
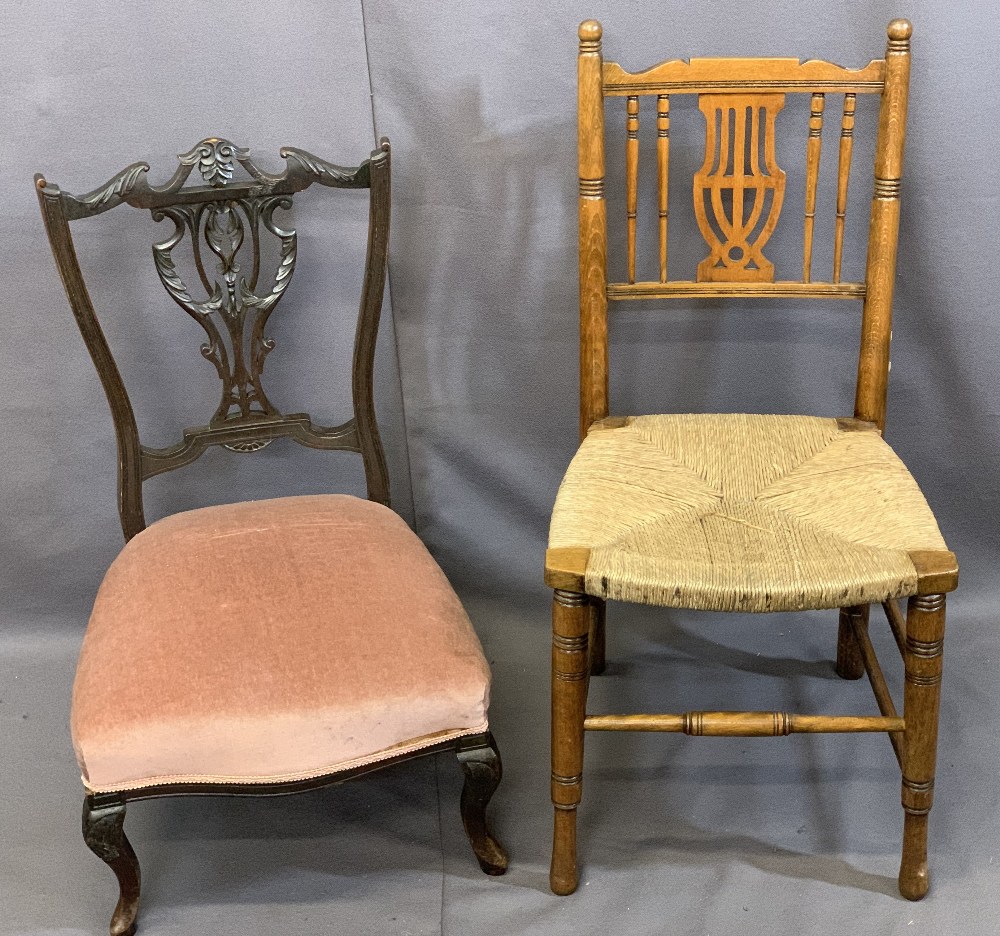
{"points": [[758, 76], [598, 630], [859, 625], [593, 231], [662, 176], [876, 320], [740, 174], [843, 178], [813, 147], [897, 624], [743, 724], [686, 289], [850, 664], [921, 702], [631, 178], [738, 257], [571, 621], [566, 568], [937, 571]]}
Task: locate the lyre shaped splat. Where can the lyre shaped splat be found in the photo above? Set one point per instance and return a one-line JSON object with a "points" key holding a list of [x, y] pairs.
{"points": [[740, 178]]}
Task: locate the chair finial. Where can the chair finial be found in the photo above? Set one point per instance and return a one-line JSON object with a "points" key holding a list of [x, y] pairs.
{"points": [[900, 30], [590, 34]]}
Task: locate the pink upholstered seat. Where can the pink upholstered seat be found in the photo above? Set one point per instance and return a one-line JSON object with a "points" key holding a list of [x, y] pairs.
{"points": [[272, 640]]}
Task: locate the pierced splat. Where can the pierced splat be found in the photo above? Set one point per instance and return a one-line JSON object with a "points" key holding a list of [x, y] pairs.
{"points": [[234, 312], [223, 204], [739, 190]]}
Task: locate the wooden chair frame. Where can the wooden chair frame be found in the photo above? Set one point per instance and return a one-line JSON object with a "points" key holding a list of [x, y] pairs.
{"points": [[255, 423], [578, 642]]}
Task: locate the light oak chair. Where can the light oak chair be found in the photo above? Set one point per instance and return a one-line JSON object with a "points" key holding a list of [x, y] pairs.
{"points": [[266, 647], [746, 513]]}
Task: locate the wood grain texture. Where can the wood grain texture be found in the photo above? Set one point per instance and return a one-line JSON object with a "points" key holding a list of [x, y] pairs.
{"points": [[897, 624], [687, 289], [763, 76], [593, 230], [937, 571], [662, 177], [571, 623], [859, 626], [850, 664], [925, 623], [739, 99], [813, 149], [876, 318], [738, 126], [566, 568], [843, 180], [743, 724], [631, 179]]}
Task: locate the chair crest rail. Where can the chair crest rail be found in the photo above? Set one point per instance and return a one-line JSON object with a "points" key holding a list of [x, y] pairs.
{"points": [[763, 76]]}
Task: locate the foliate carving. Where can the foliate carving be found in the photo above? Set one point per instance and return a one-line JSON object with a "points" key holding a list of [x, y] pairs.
{"points": [[740, 178], [234, 312], [102, 831], [320, 169], [214, 159], [119, 187]]}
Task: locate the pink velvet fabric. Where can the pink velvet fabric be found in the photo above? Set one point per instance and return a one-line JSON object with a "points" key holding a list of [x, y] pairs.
{"points": [[272, 640]]}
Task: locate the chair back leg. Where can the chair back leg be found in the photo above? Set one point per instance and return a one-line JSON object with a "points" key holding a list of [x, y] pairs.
{"points": [[850, 663], [597, 636]]}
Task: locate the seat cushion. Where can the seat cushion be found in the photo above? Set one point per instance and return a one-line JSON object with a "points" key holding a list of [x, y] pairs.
{"points": [[735, 512], [269, 641]]}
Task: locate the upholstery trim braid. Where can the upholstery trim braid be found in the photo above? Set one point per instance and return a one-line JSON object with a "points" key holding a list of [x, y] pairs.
{"points": [[408, 747], [273, 639]]}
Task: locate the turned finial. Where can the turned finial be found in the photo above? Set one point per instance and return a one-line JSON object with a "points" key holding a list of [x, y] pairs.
{"points": [[898, 29], [899, 32], [590, 36]]}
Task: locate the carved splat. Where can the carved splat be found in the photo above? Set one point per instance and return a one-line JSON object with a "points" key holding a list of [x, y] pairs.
{"points": [[234, 311], [739, 190]]}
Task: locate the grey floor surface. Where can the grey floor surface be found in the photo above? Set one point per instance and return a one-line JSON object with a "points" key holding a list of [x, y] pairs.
{"points": [[678, 836]]}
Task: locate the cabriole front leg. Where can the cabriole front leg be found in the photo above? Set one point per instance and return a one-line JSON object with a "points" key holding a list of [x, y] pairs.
{"points": [[921, 701], [480, 760], [104, 833], [571, 622]]}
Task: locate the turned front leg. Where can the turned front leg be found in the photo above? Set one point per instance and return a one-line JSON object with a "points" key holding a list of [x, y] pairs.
{"points": [[921, 703], [850, 663], [571, 622]]}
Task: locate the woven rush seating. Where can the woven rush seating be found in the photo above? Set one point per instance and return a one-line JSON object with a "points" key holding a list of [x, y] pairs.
{"points": [[729, 512]]}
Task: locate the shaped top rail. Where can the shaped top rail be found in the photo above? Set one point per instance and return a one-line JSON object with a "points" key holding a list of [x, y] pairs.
{"points": [[757, 75], [214, 158]]}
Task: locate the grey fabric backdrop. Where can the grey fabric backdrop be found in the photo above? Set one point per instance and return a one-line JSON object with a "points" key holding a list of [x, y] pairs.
{"points": [[477, 400]]}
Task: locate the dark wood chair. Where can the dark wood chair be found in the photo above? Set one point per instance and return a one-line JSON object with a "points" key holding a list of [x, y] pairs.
{"points": [[268, 647], [747, 513]]}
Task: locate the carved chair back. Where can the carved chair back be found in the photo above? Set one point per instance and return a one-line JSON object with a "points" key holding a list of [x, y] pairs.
{"points": [[231, 216], [739, 191]]}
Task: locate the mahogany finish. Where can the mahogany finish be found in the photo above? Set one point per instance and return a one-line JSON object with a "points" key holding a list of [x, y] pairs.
{"points": [[228, 213], [738, 195]]}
